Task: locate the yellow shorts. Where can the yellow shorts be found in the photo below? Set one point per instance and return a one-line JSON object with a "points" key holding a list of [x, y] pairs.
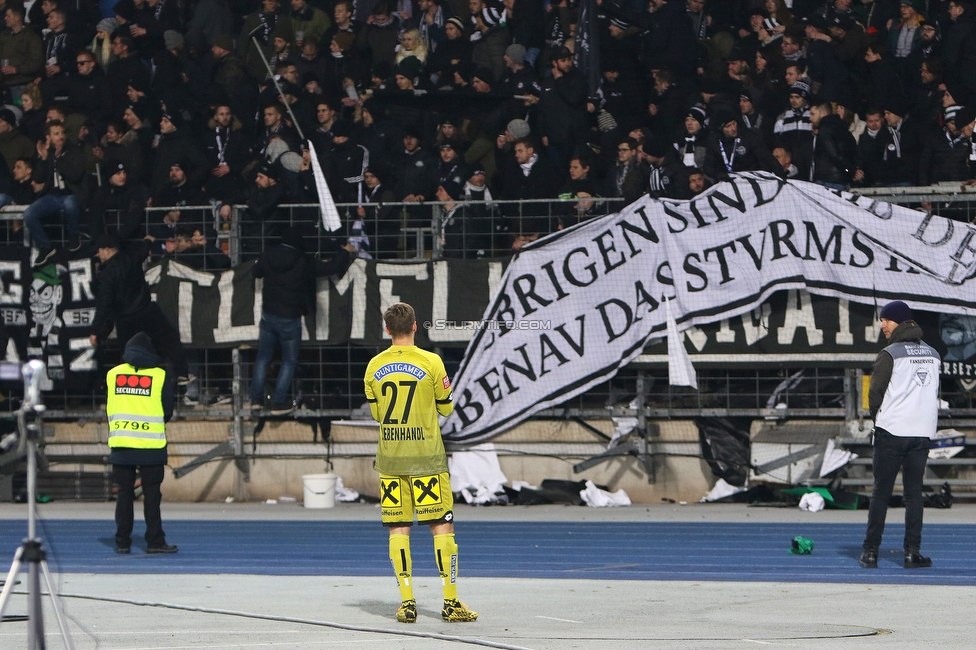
{"points": [[429, 497]]}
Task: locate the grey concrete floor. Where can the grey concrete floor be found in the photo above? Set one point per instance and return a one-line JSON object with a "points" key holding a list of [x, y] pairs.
{"points": [[344, 612]]}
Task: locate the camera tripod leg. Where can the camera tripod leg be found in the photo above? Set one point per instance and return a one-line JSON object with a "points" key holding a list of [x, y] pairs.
{"points": [[56, 602], [8, 586], [35, 612]]}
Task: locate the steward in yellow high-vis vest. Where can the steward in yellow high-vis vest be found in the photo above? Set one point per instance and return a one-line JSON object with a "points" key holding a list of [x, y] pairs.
{"points": [[139, 403]]}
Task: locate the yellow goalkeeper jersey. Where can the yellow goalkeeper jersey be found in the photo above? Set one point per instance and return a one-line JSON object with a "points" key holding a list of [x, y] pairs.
{"points": [[407, 388]]}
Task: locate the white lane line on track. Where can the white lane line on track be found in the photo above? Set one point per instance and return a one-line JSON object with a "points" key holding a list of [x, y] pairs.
{"points": [[563, 620]]}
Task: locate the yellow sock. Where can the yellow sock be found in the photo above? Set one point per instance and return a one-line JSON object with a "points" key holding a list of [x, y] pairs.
{"points": [[446, 554], [402, 564]]}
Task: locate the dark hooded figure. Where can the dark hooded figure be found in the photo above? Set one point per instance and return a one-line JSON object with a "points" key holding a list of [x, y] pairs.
{"points": [[139, 404]]}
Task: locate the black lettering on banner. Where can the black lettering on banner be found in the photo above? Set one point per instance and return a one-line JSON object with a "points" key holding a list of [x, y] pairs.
{"points": [[560, 294], [493, 391], [669, 210], [864, 248], [648, 234], [782, 238], [524, 294], [576, 346], [390, 496], [548, 349], [606, 250], [835, 238], [757, 258], [424, 487], [628, 317], [922, 227], [525, 370], [643, 298], [694, 270], [757, 188], [568, 273], [465, 402], [722, 262], [738, 203]]}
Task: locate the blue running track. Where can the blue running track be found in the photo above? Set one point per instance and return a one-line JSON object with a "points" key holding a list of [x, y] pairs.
{"points": [[602, 551]]}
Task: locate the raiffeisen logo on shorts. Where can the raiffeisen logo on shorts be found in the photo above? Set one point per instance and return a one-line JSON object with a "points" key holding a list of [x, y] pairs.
{"points": [[133, 385]]}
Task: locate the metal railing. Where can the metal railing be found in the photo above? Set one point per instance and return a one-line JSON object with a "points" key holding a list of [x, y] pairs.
{"points": [[328, 381]]}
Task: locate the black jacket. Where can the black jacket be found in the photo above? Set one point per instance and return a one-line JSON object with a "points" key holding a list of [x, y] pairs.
{"points": [[834, 152], [562, 111], [289, 279], [64, 174], [88, 95], [900, 156], [959, 52], [179, 146], [121, 291], [139, 354], [944, 158], [747, 153], [125, 205]]}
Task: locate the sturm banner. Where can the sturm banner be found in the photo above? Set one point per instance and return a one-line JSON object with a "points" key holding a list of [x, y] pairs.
{"points": [[578, 305]]}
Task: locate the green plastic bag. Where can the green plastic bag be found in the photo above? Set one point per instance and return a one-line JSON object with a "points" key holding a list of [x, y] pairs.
{"points": [[801, 546]]}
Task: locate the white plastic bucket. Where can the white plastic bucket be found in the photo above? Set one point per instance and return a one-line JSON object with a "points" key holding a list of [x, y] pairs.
{"points": [[319, 490]]}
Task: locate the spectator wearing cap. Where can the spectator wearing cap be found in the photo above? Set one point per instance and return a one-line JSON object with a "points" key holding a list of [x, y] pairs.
{"points": [[178, 145], [849, 38], [87, 89], [61, 167], [792, 128], [119, 204], [732, 148], [101, 45], [22, 48], [667, 41], [959, 52], [416, 169], [518, 78], [624, 178], [504, 153], [227, 72], [345, 165], [344, 66], [902, 140], [262, 218], [450, 54], [906, 35], [380, 35], [490, 38], [562, 106], [227, 151], [945, 153], [178, 192], [211, 18], [288, 293], [465, 232], [125, 67], [381, 222], [830, 76], [452, 168], [834, 151], [308, 21], [13, 143], [661, 176], [751, 117], [690, 145]]}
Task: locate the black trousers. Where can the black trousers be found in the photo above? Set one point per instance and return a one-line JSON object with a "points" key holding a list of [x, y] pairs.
{"points": [[152, 478], [164, 336], [891, 454]]}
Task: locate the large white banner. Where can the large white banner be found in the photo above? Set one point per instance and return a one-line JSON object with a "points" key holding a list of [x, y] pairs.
{"points": [[576, 306]]}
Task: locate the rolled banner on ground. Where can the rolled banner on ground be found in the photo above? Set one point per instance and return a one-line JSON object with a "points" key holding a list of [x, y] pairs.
{"points": [[330, 215]]}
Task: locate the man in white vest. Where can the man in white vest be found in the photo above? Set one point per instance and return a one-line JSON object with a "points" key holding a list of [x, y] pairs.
{"points": [[904, 403]]}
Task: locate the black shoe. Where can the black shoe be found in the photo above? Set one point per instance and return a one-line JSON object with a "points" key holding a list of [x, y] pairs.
{"points": [[869, 558], [123, 550], [44, 256], [76, 241], [917, 561], [282, 408], [165, 548]]}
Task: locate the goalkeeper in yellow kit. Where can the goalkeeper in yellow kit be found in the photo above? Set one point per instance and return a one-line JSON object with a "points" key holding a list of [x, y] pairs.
{"points": [[407, 388]]}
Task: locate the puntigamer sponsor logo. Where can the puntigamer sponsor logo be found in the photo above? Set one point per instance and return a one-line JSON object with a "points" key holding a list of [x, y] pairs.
{"points": [[407, 368], [133, 385]]}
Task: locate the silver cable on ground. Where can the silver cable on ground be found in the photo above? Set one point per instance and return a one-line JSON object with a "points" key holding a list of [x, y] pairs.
{"points": [[303, 621]]}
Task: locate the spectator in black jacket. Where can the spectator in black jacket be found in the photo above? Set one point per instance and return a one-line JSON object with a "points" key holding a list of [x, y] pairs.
{"points": [[227, 151], [119, 201], [123, 299], [88, 90], [834, 149], [381, 223], [959, 52], [734, 149], [61, 167], [533, 177], [871, 150], [562, 106], [288, 294], [903, 145], [124, 67], [945, 153], [177, 145]]}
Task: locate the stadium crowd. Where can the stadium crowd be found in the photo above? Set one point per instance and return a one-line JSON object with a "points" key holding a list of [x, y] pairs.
{"points": [[171, 103]]}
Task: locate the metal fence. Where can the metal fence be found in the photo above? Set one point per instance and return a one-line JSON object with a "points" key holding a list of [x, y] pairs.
{"points": [[328, 382]]}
